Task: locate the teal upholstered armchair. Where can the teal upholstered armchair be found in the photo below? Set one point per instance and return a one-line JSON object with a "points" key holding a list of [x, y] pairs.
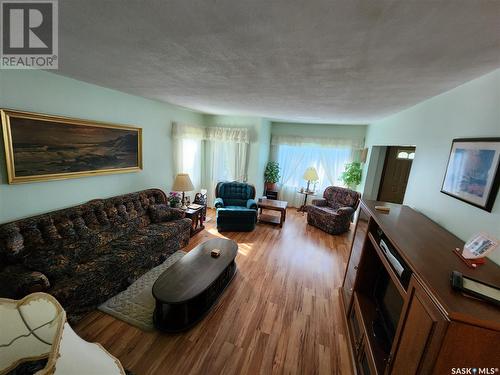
{"points": [[236, 206]]}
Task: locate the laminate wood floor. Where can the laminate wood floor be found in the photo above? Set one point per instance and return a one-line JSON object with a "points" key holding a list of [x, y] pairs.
{"points": [[280, 315]]}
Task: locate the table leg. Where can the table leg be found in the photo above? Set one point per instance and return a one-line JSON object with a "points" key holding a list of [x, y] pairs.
{"points": [[303, 207], [282, 219]]}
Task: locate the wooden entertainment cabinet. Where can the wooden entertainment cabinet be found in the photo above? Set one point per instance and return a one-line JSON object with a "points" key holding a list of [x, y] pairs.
{"points": [[438, 328]]}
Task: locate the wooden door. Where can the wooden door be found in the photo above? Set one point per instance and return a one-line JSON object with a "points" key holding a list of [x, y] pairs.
{"points": [[395, 174]]}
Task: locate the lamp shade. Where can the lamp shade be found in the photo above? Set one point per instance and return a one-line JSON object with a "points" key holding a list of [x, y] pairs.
{"points": [[310, 174], [182, 183]]}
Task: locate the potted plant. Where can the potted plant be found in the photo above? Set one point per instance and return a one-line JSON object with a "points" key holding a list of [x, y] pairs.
{"points": [[351, 175], [174, 199], [272, 175]]}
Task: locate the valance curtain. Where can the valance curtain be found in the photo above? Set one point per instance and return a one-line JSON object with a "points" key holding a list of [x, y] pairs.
{"points": [[296, 154], [292, 140], [211, 154], [220, 134], [188, 131]]}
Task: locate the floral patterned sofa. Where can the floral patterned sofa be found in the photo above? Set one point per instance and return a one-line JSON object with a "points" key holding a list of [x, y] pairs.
{"points": [[333, 213], [85, 254]]}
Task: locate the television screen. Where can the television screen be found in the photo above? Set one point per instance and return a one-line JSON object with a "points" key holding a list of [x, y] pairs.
{"points": [[392, 303], [389, 304]]}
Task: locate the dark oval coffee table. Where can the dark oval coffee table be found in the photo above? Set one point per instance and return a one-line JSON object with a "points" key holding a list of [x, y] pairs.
{"points": [[187, 290]]}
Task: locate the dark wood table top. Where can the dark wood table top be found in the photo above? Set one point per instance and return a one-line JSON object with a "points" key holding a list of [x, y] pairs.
{"points": [[192, 211], [194, 272], [272, 204], [306, 192]]}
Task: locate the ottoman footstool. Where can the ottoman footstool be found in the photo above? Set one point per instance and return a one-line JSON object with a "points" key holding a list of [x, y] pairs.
{"points": [[236, 219]]}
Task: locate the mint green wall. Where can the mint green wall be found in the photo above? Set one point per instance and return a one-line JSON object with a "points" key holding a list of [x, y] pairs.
{"points": [[49, 93], [264, 152], [470, 110], [260, 134]]}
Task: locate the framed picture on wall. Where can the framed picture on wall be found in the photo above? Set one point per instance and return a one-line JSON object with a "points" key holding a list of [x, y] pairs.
{"points": [[44, 147], [472, 174]]}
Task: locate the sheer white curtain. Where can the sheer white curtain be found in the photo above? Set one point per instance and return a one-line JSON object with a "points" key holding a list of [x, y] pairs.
{"points": [[226, 157], [187, 142], [210, 155], [296, 154]]}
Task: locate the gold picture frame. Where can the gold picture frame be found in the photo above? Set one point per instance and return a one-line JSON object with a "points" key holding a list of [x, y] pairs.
{"points": [[40, 147]]}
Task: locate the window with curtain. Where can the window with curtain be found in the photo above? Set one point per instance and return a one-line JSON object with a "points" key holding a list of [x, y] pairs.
{"points": [[210, 155], [188, 156], [295, 155], [187, 151]]}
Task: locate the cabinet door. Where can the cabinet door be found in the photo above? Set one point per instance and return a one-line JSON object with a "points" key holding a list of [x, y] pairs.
{"points": [[355, 328], [356, 248], [421, 334], [365, 366]]}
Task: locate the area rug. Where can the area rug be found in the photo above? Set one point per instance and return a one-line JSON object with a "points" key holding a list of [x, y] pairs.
{"points": [[136, 304]]}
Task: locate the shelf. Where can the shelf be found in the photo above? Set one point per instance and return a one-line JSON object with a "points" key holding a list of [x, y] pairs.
{"points": [[267, 218], [368, 313], [387, 266]]}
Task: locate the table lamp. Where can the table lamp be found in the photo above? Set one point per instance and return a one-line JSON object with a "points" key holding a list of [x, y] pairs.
{"points": [[310, 175], [183, 183]]}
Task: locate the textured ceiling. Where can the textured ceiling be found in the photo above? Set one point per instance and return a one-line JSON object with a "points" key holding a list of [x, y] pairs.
{"points": [[318, 61]]}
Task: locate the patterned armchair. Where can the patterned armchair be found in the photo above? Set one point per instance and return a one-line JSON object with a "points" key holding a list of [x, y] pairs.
{"points": [[236, 207], [333, 213]]}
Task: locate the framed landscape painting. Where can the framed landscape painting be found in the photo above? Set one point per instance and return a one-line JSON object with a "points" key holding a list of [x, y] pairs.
{"points": [[43, 147], [473, 174]]}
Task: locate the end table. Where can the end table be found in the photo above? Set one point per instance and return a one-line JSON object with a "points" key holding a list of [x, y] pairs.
{"points": [[303, 208], [197, 217]]}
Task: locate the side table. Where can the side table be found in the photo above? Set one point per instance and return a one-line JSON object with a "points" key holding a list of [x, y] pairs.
{"points": [[273, 205], [197, 217], [303, 208]]}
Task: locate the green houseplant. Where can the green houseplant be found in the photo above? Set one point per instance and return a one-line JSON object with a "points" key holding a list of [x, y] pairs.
{"points": [[352, 175], [272, 175]]}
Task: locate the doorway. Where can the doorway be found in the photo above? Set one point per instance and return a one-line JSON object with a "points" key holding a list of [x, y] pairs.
{"points": [[395, 174]]}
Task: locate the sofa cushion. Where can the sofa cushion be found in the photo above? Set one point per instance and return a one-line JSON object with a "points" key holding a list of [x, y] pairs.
{"points": [[161, 212], [323, 209], [167, 229]]}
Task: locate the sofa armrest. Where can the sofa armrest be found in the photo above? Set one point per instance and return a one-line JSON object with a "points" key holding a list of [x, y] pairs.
{"points": [[161, 213], [17, 282], [218, 203], [345, 211], [252, 204], [320, 202]]}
